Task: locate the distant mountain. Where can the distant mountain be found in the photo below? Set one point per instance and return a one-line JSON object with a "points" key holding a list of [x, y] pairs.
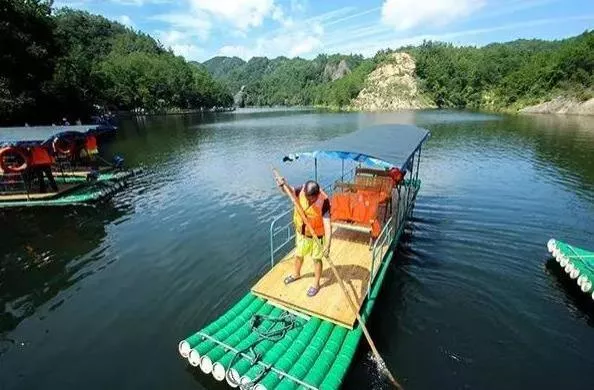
{"points": [[221, 66], [499, 76]]}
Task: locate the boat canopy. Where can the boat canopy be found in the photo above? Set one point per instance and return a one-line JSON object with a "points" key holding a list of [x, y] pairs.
{"points": [[388, 146], [37, 134], [26, 137]]}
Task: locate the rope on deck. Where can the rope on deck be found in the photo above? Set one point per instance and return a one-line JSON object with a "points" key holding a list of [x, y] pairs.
{"points": [[288, 322]]}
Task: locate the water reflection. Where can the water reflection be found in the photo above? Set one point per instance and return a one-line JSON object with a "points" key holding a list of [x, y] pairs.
{"points": [[579, 304], [43, 253]]}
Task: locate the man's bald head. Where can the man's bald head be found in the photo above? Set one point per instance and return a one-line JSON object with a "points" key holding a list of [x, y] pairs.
{"points": [[311, 188]]}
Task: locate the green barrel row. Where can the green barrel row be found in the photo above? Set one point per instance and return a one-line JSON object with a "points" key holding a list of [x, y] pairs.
{"points": [[306, 355], [225, 335], [186, 345], [239, 336], [341, 364], [576, 262], [286, 353]]}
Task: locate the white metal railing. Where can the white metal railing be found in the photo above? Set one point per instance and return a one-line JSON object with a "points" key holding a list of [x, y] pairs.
{"points": [[406, 194]]}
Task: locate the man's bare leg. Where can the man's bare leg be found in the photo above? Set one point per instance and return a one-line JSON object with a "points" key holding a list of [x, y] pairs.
{"points": [[298, 264], [317, 272]]}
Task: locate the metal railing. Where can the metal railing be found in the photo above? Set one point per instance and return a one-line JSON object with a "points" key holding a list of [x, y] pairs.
{"points": [[276, 231], [406, 194]]}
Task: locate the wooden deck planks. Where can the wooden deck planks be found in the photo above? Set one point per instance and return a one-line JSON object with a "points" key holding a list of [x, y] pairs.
{"points": [[350, 254]]}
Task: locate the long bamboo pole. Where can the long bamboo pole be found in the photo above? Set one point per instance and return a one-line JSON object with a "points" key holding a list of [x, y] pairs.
{"points": [[291, 194]]}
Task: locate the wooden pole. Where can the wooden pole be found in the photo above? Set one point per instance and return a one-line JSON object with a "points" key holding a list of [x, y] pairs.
{"points": [[352, 305]]}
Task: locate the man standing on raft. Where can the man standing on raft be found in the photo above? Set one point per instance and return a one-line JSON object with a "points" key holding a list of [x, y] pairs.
{"points": [[316, 205]]}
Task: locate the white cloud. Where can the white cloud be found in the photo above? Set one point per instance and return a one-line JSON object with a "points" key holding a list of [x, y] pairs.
{"points": [[243, 14], [406, 14], [191, 24], [297, 39], [181, 43], [188, 51], [185, 30], [126, 21], [298, 6], [369, 46]]}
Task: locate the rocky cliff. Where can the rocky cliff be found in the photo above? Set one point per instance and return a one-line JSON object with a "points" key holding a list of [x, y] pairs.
{"points": [[391, 86], [562, 105], [333, 72]]}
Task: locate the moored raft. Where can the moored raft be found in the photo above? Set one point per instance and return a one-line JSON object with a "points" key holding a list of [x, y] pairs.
{"points": [[74, 190], [576, 262], [80, 174], [275, 337]]}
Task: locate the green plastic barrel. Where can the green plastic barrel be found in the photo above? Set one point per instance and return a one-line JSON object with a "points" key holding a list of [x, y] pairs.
{"points": [[291, 354], [222, 334], [186, 345], [208, 358], [326, 358], [241, 340], [307, 359], [335, 376]]}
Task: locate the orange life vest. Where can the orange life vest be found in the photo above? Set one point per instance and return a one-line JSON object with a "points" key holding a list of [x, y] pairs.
{"points": [[313, 213], [40, 156], [91, 144]]}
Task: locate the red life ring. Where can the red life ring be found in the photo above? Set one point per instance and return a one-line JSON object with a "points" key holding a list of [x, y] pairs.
{"points": [[64, 146], [9, 168]]}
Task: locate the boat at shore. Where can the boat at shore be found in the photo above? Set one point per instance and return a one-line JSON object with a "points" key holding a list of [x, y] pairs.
{"points": [[576, 262], [276, 337]]}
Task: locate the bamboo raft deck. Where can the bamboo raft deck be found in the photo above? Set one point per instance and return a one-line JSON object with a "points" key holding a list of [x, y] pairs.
{"points": [[276, 337], [317, 351], [351, 255]]}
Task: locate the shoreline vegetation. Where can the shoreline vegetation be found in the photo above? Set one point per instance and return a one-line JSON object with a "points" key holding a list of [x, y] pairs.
{"points": [[65, 63], [499, 77], [71, 64]]}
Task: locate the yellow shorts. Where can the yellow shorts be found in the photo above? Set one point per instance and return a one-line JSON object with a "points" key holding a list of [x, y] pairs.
{"points": [[306, 246]]}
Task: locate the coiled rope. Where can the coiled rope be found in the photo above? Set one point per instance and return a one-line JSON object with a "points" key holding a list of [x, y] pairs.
{"points": [[273, 333]]}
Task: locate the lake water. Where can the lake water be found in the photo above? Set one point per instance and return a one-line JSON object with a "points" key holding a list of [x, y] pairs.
{"points": [[98, 298]]}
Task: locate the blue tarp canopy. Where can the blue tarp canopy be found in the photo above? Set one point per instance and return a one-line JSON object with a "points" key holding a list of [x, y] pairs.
{"points": [[382, 145], [38, 134]]}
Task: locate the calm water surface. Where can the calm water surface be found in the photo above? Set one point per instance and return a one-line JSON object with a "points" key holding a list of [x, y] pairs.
{"points": [[98, 298]]}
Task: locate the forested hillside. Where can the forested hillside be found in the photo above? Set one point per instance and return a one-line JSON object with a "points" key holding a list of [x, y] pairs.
{"points": [[57, 63], [71, 63], [498, 76]]}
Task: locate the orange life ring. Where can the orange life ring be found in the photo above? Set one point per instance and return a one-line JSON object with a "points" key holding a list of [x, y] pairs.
{"points": [[64, 146], [9, 168]]}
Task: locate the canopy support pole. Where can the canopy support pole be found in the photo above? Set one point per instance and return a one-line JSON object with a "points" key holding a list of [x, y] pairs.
{"points": [[418, 163], [342, 171], [316, 169]]}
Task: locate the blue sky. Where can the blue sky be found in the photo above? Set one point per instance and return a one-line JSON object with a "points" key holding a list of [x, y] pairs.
{"points": [[201, 29]]}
